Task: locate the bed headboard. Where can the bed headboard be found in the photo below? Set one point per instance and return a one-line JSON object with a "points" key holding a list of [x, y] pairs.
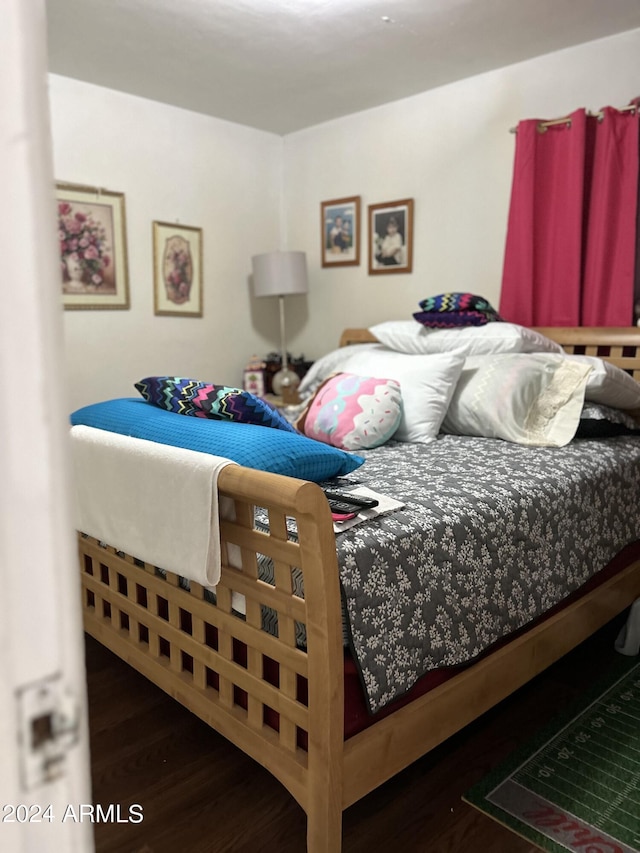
{"points": [[357, 336], [619, 345]]}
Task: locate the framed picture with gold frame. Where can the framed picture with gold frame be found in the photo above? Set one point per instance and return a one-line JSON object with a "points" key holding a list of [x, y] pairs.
{"points": [[177, 270], [340, 232], [391, 237], [93, 247]]}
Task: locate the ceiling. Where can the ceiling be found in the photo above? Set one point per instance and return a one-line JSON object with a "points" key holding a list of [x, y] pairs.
{"points": [[283, 65]]}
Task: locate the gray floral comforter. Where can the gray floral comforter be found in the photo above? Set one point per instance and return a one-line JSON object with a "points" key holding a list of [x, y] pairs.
{"points": [[491, 536]]}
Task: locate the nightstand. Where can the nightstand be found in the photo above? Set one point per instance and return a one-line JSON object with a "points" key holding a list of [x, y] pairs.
{"points": [[290, 399], [289, 411]]}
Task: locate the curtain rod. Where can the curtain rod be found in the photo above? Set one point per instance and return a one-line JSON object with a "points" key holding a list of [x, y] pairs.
{"points": [[543, 125]]}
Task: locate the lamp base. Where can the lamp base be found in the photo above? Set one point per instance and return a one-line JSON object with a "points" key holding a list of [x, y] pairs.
{"points": [[285, 382]]}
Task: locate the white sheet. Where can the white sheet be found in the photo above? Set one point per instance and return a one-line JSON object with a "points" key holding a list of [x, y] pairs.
{"points": [[385, 505], [155, 502]]}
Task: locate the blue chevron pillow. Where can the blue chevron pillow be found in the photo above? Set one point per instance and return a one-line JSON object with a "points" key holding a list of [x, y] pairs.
{"points": [[203, 400]]}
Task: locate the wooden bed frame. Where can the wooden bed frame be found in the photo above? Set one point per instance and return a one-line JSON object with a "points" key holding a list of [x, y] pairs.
{"points": [[213, 662]]}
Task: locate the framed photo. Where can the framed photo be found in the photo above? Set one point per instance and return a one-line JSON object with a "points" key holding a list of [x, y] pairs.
{"points": [[340, 232], [177, 270], [93, 247], [391, 237]]}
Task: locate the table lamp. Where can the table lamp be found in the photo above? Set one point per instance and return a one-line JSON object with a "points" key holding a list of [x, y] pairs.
{"points": [[281, 274]]}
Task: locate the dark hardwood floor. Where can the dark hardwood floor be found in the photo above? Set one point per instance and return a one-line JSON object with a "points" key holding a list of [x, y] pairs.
{"points": [[199, 794]]}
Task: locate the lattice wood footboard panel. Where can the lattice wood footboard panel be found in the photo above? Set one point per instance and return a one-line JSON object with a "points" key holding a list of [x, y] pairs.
{"points": [[203, 655], [248, 685]]}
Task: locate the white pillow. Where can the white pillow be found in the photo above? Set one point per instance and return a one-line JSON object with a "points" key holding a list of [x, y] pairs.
{"points": [[426, 384], [531, 399], [411, 336], [332, 362], [609, 384]]}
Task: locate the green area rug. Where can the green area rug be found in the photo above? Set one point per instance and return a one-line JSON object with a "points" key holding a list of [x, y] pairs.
{"points": [[576, 786]]}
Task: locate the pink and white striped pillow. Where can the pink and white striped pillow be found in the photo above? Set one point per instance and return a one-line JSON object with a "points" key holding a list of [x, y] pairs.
{"points": [[353, 412]]}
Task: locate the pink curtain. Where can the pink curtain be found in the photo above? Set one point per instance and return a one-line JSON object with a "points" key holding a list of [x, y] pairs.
{"points": [[570, 250]]}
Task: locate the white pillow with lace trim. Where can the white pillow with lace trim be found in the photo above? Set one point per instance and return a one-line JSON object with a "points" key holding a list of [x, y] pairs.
{"points": [[609, 385], [533, 398]]}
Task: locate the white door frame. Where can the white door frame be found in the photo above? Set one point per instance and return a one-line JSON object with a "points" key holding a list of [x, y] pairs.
{"points": [[43, 720]]}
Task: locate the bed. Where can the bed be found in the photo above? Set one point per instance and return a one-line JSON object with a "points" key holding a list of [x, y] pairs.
{"points": [[282, 702]]}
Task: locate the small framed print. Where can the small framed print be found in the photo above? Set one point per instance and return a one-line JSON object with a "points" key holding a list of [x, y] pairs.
{"points": [[253, 377], [93, 247], [177, 270], [340, 232], [391, 237], [253, 382]]}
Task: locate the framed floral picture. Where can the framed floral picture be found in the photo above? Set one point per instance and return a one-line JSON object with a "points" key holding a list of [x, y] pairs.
{"points": [[340, 232], [93, 247], [177, 270], [391, 237]]}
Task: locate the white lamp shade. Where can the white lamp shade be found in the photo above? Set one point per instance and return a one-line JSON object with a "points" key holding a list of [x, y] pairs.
{"points": [[279, 273]]}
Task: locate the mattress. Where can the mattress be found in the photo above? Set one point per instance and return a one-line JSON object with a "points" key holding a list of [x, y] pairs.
{"points": [[492, 536]]}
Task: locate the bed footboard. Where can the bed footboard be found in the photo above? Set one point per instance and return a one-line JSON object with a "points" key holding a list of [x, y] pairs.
{"points": [[247, 684]]}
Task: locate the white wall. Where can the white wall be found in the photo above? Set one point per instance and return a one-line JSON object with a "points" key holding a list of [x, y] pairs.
{"points": [[172, 165], [450, 149]]}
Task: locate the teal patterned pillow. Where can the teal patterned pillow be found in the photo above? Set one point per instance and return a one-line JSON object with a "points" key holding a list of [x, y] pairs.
{"points": [[216, 402]]}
